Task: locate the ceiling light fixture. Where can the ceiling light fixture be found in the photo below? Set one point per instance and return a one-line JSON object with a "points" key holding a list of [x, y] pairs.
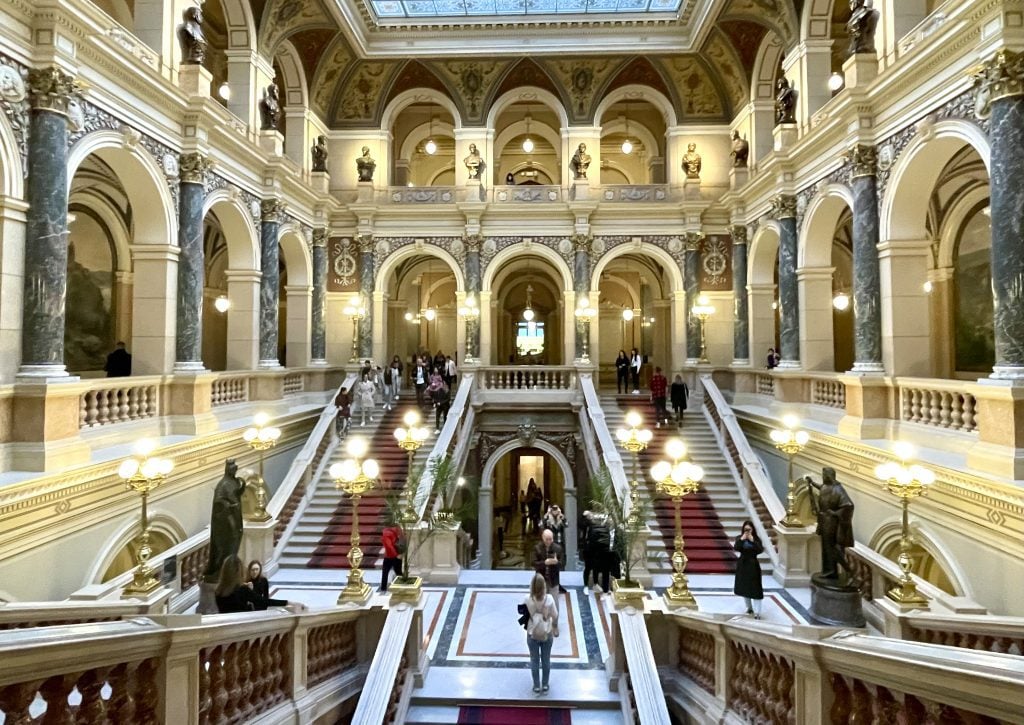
{"points": [[224, 91], [836, 81], [627, 145], [430, 146], [841, 301], [528, 142], [528, 313], [627, 315]]}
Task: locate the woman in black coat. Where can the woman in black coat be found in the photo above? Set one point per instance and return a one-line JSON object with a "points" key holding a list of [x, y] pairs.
{"points": [[680, 395], [748, 570], [232, 594], [260, 588], [622, 372]]}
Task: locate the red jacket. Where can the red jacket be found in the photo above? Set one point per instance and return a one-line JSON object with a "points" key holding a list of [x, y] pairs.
{"points": [[390, 539], [659, 384]]}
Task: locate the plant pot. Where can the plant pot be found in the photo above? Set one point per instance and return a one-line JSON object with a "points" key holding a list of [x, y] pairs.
{"points": [[628, 591], [406, 590]]}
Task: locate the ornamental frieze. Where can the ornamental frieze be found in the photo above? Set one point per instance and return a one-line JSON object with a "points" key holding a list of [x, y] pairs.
{"points": [[527, 435], [14, 104]]}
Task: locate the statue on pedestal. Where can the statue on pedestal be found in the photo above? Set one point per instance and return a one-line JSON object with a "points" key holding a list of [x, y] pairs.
{"points": [[740, 151], [692, 162], [834, 509], [270, 108], [319, 153], [861, 26], [365, 165], [785, 102], [580, 162], [190, 36], [474, 163], [225, 520]]}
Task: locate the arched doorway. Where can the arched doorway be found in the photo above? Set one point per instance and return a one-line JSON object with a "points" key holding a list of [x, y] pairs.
{"points": [[528, 313]]}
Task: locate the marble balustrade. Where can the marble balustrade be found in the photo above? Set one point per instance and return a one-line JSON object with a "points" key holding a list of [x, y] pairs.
{"points": [[527, 377]]}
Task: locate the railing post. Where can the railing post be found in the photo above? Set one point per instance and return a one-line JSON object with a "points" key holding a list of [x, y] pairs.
{"points": [[812, 696], [867, 407], [178, 680]]}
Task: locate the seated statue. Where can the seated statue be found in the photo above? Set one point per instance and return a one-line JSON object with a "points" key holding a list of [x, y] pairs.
{"points": [[785, 102], [225, 520], [740, 151], [270, 108], [190, 36], [474, 162], [580, 162], [365, 165], [861, 26], [319, 153]]}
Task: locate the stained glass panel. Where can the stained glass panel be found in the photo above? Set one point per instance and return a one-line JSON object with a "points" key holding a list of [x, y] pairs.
{"points": [[385, 9]]}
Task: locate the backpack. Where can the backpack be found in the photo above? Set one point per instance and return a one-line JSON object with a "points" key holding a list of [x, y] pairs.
{"points": [[539, 626]]}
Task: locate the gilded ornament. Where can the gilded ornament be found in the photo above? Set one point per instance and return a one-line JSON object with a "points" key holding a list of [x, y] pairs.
{"points": [[51, 89], [692, 241], [739, 234], [1000, 77], [192, 168], [582, 242], [692, 162], [272, 209], [864, 160], [319, 237], [783, 207]]}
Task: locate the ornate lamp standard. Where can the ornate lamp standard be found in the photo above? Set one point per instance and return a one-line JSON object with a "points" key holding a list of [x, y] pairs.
{"points": [[355, 309], [702, 310], [261, 438], [790, 442], [633, 439], [470, 312], [906, 483], [677, 480], [410, 439], [355, 476], [585, 313], [142, 474]]}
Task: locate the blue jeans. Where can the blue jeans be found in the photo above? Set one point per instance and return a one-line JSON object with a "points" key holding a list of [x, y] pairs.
{"points": [[540, 657]]}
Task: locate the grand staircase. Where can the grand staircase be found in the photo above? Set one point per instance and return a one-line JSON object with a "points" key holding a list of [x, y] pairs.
{"points": [[321, 538]]}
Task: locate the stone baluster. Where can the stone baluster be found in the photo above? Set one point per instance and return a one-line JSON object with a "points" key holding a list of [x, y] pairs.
{"points": [[691, 282], [867, 287], [46, 229], [366, 284], [270, 280], [318, 346], [1000, 96], [784, 210], [122, 702], [191, 263], [55, 692], [741, 317], [93, 707]]}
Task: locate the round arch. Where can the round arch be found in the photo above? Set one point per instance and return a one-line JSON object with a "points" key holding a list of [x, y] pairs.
{"points": [[124, 535], [527, 94], [12, 173], [764, 248], [296, 256], [238, 227], [421, 132], [387, 269], [819, 227], [417, 95], [518, 249], [766, 63], [816, 20], [293, 74], [952, 225], [241, 24], [636, 130], [538, 129], [888, 534], [637, 92], [904, 208], [99, 206], [648, 250]]}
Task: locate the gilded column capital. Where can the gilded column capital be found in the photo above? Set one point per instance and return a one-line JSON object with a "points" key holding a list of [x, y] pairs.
{"points": [[783, 207], [472, 242], [692, 241], [739, 234], [272, 209], [1001, 76], [364, 242], [582, 242], [192, 168], [864, 160], [51, 89], [319, 237]]}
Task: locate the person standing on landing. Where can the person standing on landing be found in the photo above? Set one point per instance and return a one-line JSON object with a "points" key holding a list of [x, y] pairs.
{"points": [[622, 373], [390, 538], [659, 388], [548, 560], [635, 362], [748, 570], [541, 628]]}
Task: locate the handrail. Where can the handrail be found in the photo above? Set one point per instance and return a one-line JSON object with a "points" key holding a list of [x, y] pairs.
{"points": [[609, 451], [589, 441], [444, 440], [391, 649], [648, 694]]}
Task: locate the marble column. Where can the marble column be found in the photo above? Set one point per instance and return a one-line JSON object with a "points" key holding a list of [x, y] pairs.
{"points": [[366, 284], [741, 320], [318, 344], [270, 281], [784, 210], [46, 229], [867, 287], [188, 348], [473, 281], [1001, 98], [581, 286], [691, 280]]}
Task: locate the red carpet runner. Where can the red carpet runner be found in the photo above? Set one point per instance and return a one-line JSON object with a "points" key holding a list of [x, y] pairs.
{"points": [[708, 546], [334, 544], [483, 715]]}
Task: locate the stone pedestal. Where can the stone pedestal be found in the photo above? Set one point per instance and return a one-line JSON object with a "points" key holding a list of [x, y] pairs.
{"points": [[784, 136], [258, 542], [156, 602], [207, 598], [435, 556], [738, 177], [320, 181], [799, 555], [691, 189], [364, 192], [474, 190], [580, 190], [1001, 433], [867, 407], [860, 69], [189, 405], [194, 80], [272, 142], [836, 607]]}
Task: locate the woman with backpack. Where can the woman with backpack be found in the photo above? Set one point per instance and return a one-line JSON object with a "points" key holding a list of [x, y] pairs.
{"points": [[541, 628]]}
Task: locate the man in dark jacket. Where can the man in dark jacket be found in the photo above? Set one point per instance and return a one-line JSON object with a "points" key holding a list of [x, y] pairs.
{"points": [[680, 395], [599, 549], [119, 362], [548, 560]]}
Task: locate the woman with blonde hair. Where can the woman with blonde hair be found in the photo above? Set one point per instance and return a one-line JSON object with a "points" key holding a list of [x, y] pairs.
{"points": [[541, 628], [232, 594]]}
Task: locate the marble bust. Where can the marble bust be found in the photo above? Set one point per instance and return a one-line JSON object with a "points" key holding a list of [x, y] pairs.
{"points": [[474, 163], [270, 108], [319, 153], [692, 162], [580, 162], [861, 26], [785, 102], [190, 36], [740, 151], [365, 165]]}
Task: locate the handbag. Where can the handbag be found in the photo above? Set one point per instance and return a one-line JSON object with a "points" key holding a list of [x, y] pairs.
{"points": [[524, 619]]}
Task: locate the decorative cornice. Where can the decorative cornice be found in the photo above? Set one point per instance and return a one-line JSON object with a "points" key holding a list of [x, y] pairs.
{"points": [[864, 160], [1002, 76], [192, 168], [51, 89], [271, 210], [783, 206]]}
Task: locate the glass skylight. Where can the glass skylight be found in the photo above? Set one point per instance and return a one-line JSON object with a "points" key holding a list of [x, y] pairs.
{"points": [[497, 8]]}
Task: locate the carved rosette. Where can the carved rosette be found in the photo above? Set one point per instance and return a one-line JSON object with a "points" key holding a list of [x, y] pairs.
{"points": [[864, 160], [739, 234], [319, 237], [271, 210], [783, 207], [192, 168], [1002, 76], [51, 89]]}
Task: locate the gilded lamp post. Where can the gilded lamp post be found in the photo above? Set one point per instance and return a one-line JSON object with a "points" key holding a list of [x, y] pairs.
{"points": [[633, 439], [355, 309], [261, 438], [702, 310], [410, 439], [790, 442], [355, 476], [677, 480], [470, 312], [906, 483], [142, 473]]}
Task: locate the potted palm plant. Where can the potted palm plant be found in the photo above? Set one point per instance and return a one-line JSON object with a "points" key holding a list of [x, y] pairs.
{"points": [[628, 525]]}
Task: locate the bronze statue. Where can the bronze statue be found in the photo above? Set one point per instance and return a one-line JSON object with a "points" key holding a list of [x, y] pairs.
{"points": [[225, 520], [319, 152], [474, 162], [740, 151], [190, 37], [580, 162], [270, 108], [365, 165], [834, 509], [785, 102], [861, 26], [692, 162]]}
